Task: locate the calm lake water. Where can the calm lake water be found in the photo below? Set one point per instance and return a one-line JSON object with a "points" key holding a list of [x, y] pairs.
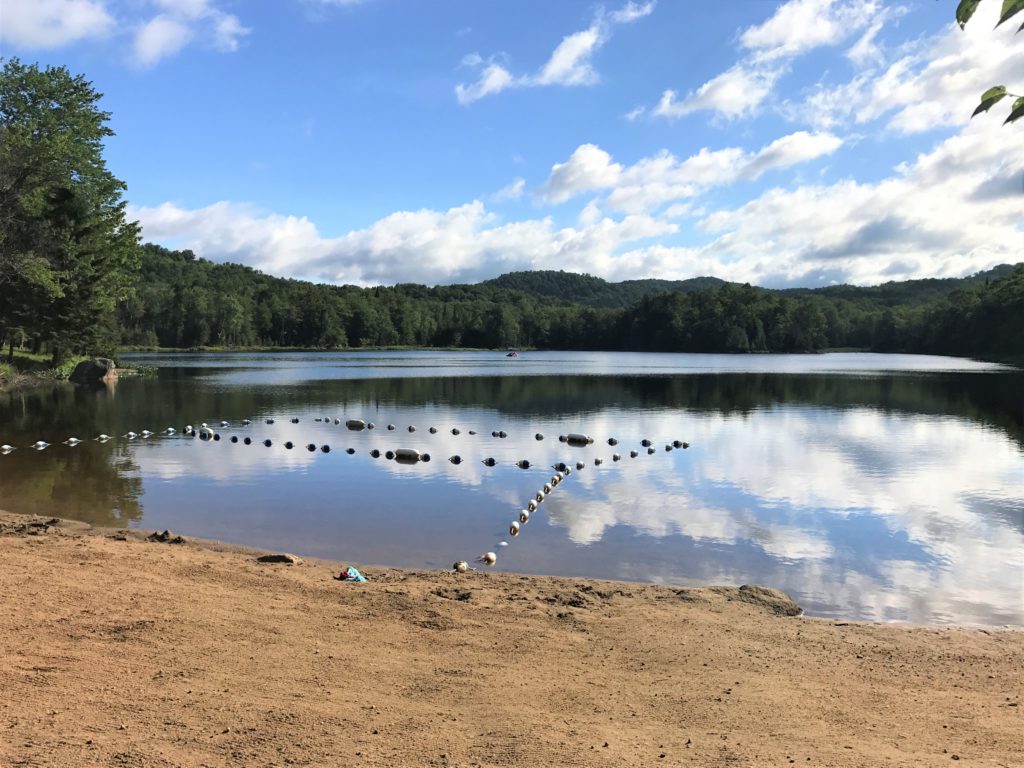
{"points": [[881, 487]]}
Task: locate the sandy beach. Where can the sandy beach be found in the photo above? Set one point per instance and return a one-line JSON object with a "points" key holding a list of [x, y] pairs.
{"points": [[117, 651]]}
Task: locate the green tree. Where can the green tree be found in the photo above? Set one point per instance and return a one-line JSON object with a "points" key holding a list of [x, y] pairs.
{"points": [[67, 253]]}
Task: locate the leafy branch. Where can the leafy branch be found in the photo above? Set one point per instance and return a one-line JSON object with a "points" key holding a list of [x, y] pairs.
{"points": [[997, 93]]}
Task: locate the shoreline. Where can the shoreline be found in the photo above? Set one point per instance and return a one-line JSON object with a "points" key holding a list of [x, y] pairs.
{"points": [[122, 651]]}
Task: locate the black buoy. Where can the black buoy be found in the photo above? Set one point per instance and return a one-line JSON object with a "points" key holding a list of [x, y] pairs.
{"points": [[598, 462], [538, 436], [424, 457], [686, 445], [412, 428], [668, 448], [391, 427], [472, 431], [432, 430], [580, 465], [350, 451], [523, 464], [247, 441], [456, 459], [325, 448], [216, 435], [677, 443], [490, 462], [370, 425], [389, 455], [560, 466], [267, 443], [375, 453], [311, 447], [455, 431], [270, 421], [616, 457], [650, 451], [562, 438], [612, 441], [234, 438], [289, 445], [633, 454], [295, 420], [317, 419], [503, 434], [494, 434], [645, 443]]}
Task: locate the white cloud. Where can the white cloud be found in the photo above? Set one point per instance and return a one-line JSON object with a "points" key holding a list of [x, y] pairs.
{"points": [[511, 191], [588, 168], [736, 92], [795, 28], [466, 243], [160, 37], [40, 24], [935, 83], [802, 25], [182, 21], [662, 177], [569, 64]]}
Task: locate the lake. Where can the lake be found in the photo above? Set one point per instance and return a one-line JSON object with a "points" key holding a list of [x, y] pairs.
{"points": [[876, 487]]}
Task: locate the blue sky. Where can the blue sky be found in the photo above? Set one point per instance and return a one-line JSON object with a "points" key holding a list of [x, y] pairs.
{"points": [[783, 143]]}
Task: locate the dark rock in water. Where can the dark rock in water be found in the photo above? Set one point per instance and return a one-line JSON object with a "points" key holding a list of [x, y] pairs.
{"points": [[772, 600], [97, 369], [165, 537], [284, 557]]}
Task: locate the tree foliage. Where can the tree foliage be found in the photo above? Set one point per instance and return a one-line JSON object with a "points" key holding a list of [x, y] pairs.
{"points": [[66, 251]]}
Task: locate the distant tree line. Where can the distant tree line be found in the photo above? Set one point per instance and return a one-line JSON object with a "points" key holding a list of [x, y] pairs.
{"points": [[184, 301]]}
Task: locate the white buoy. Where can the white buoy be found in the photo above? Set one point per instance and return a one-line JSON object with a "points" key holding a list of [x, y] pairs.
{"points": [[524, 516], [170, 431], [40, 444], [461, 566], [72, 441], [247, 422], [547, 488], [531, 505], [513, 529], [5, 449], [102, 438], [539, 497], [146, 433], [131, 435], [225, 423], [204, 425], [488, 558]]}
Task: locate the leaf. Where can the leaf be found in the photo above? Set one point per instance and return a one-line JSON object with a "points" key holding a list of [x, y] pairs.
{"points": [[989, 99], [1010, 8], [965, 10], [1017, 112]]}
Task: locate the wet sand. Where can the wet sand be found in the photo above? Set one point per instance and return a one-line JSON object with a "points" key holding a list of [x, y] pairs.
{"points": [[116, 651]]}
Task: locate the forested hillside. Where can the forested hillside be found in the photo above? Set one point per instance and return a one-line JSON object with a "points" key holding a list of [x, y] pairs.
{"points": [[185, 301]]}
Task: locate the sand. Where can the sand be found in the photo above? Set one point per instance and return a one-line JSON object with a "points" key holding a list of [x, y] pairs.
{"points": [[115, 651]]}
